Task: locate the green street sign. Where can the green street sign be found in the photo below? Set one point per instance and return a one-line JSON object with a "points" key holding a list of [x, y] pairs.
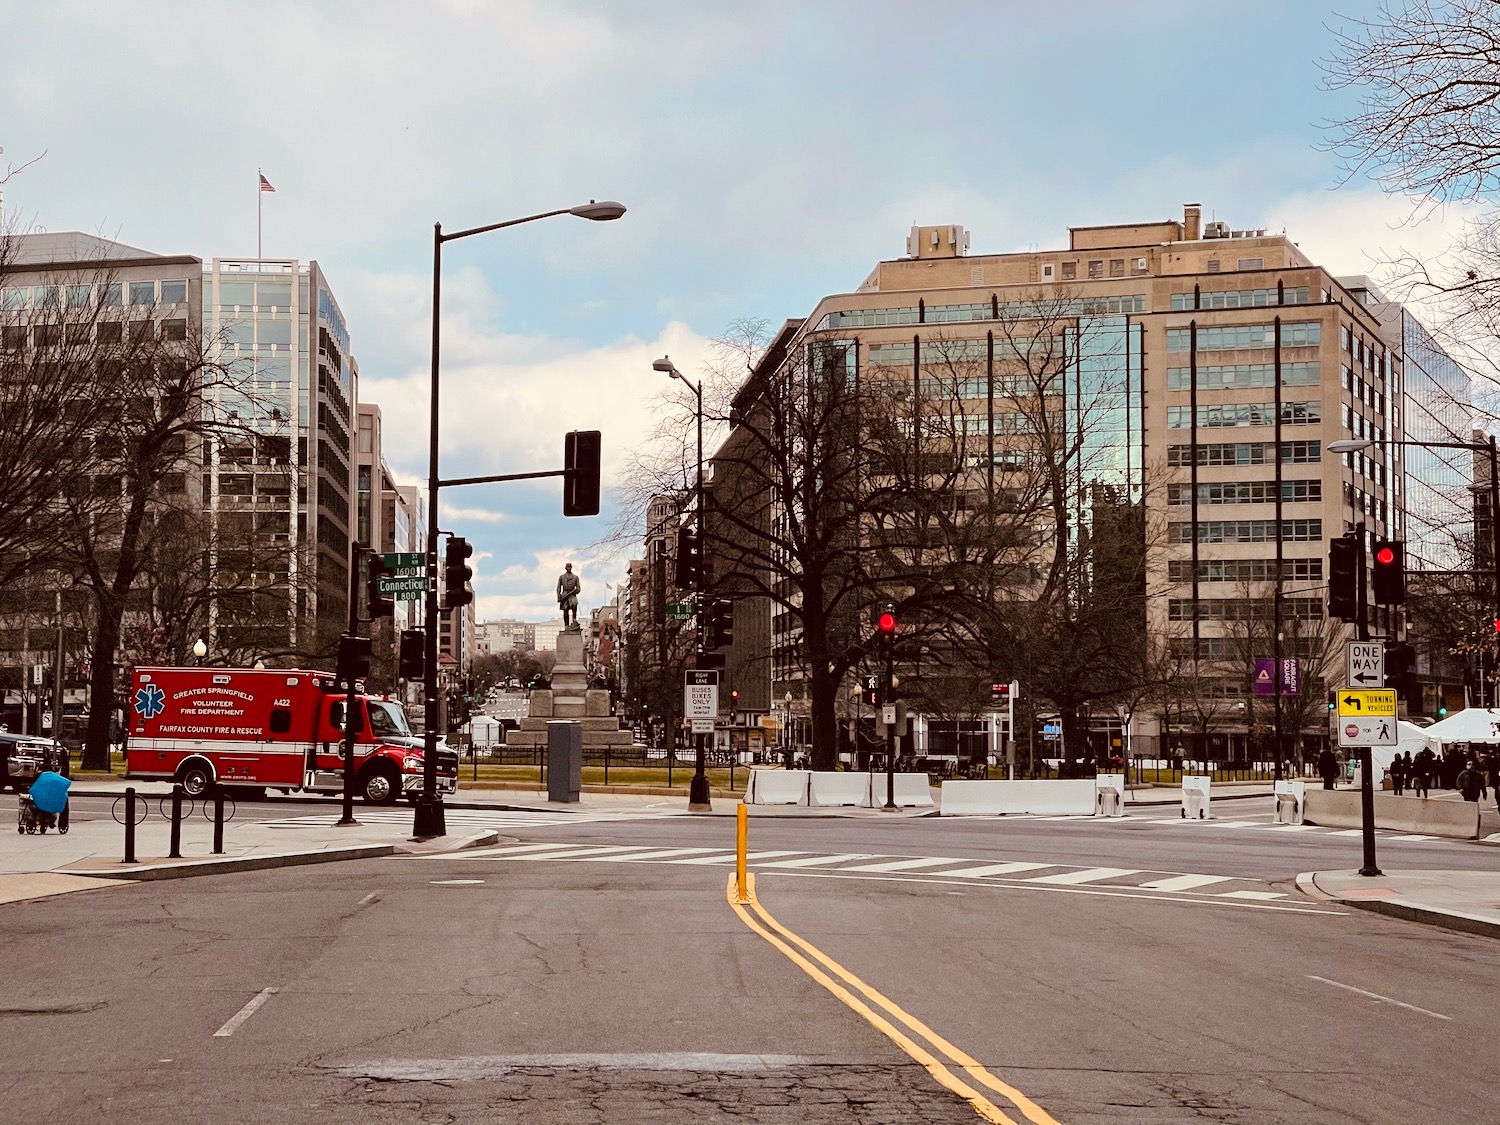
{"points": [[405, 588], [404, 560], [680, 609]]}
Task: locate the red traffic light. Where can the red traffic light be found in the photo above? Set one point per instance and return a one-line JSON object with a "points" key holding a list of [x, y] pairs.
{"points": [[1385, 556], [1497, 624], [887, 622]]}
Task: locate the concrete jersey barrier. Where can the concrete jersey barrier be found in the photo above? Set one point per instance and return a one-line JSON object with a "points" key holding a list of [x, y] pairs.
{"points": [[1075, 797], [777, 787], [827, 788], [913, 790], [1340, 808]]}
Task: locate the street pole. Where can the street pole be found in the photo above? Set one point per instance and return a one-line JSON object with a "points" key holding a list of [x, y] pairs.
{"points": [[350, 702], [1495, 523], [430, 819], [698, 797], [1367, 809], [890, 732]]}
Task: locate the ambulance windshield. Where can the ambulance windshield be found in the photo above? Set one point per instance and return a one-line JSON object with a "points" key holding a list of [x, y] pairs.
{"points": [[387, 718]]}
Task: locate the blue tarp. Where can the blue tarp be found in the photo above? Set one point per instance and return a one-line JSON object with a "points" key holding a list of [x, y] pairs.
{"points": [[49, 792]]}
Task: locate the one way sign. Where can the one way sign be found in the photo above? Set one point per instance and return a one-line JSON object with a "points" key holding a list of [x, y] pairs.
{"points": [[1364, 664]]}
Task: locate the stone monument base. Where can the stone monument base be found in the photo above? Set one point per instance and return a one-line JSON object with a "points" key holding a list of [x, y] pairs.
{"points": [[570, 697]]}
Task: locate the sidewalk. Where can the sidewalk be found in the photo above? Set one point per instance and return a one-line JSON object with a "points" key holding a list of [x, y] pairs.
{"points": [[90, 855], [1457, 900]]}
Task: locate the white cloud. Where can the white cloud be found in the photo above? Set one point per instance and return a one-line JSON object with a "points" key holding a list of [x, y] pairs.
{"points": [[451, 513]]}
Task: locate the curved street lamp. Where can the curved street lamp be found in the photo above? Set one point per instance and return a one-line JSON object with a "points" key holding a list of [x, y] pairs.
{"points": [[698, 794], [429, 819]]}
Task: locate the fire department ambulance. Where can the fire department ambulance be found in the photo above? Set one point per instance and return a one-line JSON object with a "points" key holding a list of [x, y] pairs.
{"points": [[271, 727]]}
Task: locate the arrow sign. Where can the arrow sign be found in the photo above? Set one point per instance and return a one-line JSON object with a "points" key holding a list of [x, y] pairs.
{"points": [[1364, 664], [1351, 701], [1363, 677]]}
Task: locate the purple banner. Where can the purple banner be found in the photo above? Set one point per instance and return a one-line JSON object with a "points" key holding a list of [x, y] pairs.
{"points": [[1265, 677], [1291, 677]]}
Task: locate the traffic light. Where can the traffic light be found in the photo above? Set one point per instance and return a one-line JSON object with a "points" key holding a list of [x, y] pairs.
{"points": [[413, 656], [689, 559], [721, 623], [885, 626], [456, 573], [378, 604], [1388, 578], [354, 658], [734, 699], [870, 690], [1400, 671], [1343, 577], [581, 473]]}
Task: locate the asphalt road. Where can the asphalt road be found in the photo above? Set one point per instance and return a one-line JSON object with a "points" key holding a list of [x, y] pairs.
{"points": [[598, 987]]}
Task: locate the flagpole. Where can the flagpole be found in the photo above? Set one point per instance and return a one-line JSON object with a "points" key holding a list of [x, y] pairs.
{"points": [[259, 176]]}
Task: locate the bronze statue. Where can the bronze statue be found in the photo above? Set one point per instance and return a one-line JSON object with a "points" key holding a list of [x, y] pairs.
{"points": [[567, 596]]}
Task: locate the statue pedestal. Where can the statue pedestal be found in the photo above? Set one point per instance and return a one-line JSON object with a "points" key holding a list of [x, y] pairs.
{"points": [[570, 697]]}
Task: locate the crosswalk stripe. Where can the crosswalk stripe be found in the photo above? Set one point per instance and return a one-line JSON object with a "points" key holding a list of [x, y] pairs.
{"points": [[1258, 896], [993, 869], [1088, 875], [655, 855], [819, 860], [1411, 836], [1185, 882], [750, 857], [905, 864], [590, 851], [1292, 828]]}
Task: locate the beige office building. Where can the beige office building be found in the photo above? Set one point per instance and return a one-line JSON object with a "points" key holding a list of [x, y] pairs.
{"points": [[1200, 365]]}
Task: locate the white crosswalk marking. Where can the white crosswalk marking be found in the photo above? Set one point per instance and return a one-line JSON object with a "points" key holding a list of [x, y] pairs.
{"points": [[1185, 882], [1088, 875], [655, 856], [818, 860], [729, 857], [994, 869], [593, 851], [901, 864], [1259, 896]]}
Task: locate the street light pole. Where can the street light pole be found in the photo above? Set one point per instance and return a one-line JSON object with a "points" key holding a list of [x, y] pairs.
{"points": [[698, 794], [429, 819]]}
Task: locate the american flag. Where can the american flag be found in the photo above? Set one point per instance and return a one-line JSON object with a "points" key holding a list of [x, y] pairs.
{"points": [[265, 184]]}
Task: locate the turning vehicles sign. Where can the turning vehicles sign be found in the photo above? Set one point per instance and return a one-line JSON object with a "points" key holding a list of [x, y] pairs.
{"points": [[1367, 718]]}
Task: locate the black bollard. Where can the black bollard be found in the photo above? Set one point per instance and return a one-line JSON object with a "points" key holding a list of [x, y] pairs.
{"points": [[218, 820], [130, 824], [176, 852]]}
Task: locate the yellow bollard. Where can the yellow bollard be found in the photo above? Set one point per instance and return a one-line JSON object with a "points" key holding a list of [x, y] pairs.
{"points": [[741, 834]]}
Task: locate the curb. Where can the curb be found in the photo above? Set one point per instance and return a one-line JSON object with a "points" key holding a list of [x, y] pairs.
{"points": [[223, 865], [1407, 911]]}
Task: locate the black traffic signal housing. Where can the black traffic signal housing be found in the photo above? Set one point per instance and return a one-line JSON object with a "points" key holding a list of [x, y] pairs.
{"points": [[456, 573], [689, 574], [581, 473], [885, 627], [1388, 573], [377, 604], [1401, 671], [721, 623], [1343, 577], [354, 658], [413, 654], [734, 699]]}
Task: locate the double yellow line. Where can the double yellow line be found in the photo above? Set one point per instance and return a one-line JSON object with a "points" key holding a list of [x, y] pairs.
{"points": [[902, 1028]]}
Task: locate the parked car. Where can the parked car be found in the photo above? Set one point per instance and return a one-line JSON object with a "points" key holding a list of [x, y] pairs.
{"points": [[27, 755]]}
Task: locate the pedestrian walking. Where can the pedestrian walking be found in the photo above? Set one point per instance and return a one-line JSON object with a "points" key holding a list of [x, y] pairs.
{"points": [[1495, 779], [1328, 768], [1398, 775], [1470, 782]]}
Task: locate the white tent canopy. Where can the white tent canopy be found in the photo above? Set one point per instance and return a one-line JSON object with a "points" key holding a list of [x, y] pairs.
{"points": [[1412, 739], [486, 730], [1472, 724]]}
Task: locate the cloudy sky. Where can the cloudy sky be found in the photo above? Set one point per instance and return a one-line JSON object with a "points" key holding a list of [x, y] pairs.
{"points": [[769, 152]]}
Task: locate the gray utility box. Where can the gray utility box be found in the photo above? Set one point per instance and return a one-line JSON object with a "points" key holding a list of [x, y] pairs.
{"points": [[564, 760]]}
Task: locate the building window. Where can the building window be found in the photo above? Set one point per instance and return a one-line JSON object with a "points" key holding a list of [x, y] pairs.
{"points": [[1237, 375], [366, 435], [1117, 267], [1096, 268], [1070, 271], [1213, 265], [1299, 334], [173, 292], [143, 292], [1251, 264]]}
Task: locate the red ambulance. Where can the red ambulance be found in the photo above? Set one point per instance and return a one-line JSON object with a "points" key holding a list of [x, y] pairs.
{"points": [[278, 728]]}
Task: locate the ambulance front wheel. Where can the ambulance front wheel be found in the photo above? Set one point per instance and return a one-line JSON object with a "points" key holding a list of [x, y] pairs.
{"points": [[381, 787], [195, 778]]}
